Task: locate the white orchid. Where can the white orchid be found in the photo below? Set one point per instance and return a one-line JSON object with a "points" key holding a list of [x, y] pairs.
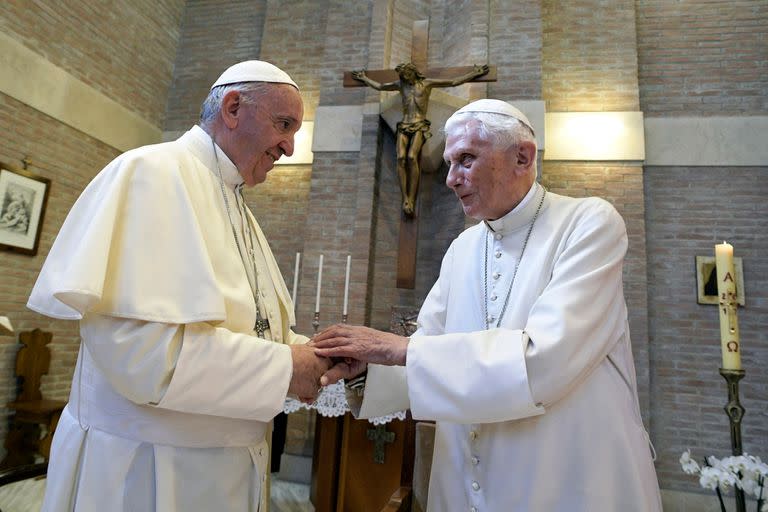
{"points": [[690, 466], [746, 472]]}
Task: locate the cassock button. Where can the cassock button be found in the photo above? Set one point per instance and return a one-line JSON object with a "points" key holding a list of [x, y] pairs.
{"points": [[494, 297], [472, 509], [498, 254], [496, 275], [475, 461], [498, 236], [475, 486], [490, 318]]}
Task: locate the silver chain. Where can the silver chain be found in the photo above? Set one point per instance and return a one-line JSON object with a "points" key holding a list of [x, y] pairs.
{"points": [[514, 274], [255, 286]]}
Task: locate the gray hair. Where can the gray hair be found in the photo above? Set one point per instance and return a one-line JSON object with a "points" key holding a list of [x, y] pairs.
{"points": [[505, 130], [250, 92]]}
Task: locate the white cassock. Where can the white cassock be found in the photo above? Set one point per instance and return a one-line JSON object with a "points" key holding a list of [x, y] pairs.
{"points": [[173, 391], [540, 414]]}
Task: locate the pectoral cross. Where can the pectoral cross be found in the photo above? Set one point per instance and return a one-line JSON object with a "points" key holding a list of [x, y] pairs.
{"points": [[261, 325]]}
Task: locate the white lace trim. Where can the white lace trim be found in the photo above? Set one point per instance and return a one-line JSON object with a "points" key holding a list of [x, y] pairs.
{"points": [[332, 402]]}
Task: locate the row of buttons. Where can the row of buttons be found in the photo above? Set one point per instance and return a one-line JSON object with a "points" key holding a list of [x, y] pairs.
{"points": [[474, 460]]}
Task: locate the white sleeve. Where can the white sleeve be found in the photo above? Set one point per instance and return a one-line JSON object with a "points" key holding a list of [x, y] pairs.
{"points": [[386, 387], [194, 368]]}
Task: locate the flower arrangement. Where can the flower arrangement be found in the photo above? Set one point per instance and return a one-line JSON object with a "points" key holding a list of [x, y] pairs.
{"points": [[745, 472]]}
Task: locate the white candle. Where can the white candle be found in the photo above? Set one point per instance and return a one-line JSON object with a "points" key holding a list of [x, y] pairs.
{"points": [[295, 280], [346, 285], [319, 284], [729, 323]]}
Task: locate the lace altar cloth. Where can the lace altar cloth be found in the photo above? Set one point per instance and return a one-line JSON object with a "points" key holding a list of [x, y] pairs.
{"points": [[332, 402]]}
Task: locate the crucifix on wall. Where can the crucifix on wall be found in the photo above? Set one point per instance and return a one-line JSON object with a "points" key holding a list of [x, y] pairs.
{"points": [[413, 130]]}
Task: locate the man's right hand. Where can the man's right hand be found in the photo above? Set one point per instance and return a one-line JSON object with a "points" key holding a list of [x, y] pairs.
{"points": [[307, 369], [343, 369]]}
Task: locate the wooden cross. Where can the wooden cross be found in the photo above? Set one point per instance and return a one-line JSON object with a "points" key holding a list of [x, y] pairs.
{"points": [[406, 260], [380, 437]]}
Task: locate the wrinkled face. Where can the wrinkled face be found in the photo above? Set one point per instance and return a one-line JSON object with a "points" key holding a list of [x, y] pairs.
{"points": [[481, 173], [265, 131]]}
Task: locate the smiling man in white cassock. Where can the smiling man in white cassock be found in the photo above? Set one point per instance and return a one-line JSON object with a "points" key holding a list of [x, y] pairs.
{"points": [[187, 351], [522, 353]]}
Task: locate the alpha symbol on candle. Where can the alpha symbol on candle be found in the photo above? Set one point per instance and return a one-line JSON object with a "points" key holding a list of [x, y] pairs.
{"points": [[733, 346], [728, 277]]}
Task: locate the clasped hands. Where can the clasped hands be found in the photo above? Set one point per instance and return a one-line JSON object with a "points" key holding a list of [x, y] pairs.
{"points": [[342, 351]]}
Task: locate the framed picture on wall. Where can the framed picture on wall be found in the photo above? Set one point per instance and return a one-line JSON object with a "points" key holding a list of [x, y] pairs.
{"points": [[706, 280], [23, 197]]}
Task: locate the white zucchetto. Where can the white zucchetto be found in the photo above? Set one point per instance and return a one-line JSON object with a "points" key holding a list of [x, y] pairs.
{"points": [[254, 71], [492, 106]]}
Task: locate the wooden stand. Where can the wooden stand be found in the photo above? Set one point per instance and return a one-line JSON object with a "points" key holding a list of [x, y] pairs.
{"points": [[361, 467]]}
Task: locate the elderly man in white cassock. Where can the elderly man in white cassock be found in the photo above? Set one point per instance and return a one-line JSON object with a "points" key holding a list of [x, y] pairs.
{"points": [[187, 351], [522, 353]]}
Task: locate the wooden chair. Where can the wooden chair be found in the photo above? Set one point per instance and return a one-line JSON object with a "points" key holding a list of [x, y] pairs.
{"points": [[23, 442]]}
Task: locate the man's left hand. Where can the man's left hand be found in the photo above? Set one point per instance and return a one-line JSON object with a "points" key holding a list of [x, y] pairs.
{"points": [[362, 344]]}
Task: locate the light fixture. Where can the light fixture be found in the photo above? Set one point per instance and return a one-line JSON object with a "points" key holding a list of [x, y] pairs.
{"points": [[302, 146], [5, 325], [594, 136]]}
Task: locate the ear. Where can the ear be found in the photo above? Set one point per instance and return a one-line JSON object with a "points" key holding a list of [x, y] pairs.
{"points": [[230, 109], [525, 155]]}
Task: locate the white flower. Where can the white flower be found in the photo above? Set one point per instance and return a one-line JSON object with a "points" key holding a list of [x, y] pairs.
{"points": [[689, 465], [727, 479], [709, 477], [749, 485]]}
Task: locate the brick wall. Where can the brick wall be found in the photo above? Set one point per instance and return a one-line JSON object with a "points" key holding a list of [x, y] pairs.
{"points": [[589, 59], [688, 211], [69, 159], [515, 49], [123, 49], [215, 34], [701, 58]]}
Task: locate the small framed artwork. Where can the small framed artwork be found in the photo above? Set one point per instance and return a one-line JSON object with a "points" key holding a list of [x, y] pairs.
{"points": [[706, 280], [23, 198]]}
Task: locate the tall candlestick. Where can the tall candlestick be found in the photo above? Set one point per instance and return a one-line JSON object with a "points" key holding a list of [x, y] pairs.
{"points": [[296, 280], [319, 284], [729, 323], [346, 285]]}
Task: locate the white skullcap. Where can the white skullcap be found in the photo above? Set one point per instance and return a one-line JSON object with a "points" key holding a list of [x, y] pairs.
{"points": [[495, 107], [254, 71]]}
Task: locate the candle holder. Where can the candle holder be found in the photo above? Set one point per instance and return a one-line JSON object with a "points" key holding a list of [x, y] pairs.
{"points": [[344, 318], [316, 321], [735, 412]]}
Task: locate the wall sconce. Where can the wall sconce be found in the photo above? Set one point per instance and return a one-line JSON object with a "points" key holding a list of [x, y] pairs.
{"points": [[5, 325], [302, 146], [594, 136]]}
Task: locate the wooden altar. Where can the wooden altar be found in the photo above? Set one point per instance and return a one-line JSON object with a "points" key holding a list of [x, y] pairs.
{"points": [[358, 466]]}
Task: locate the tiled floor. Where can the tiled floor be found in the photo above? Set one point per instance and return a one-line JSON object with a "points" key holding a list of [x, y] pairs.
{"points": [[27, 496]]}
